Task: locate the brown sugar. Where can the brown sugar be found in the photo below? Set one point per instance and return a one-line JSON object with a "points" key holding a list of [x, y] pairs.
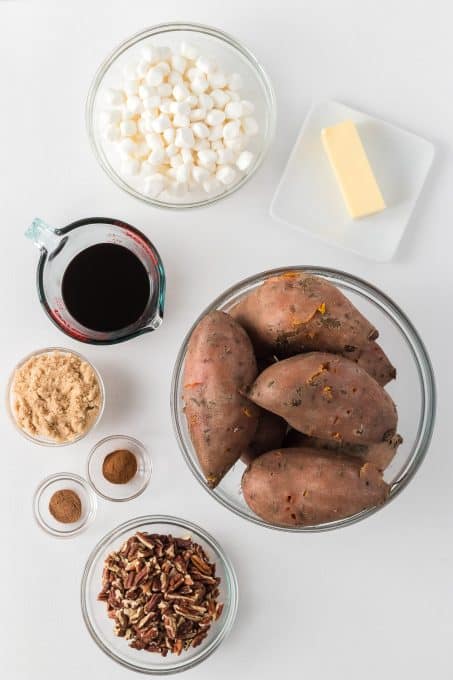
{"points": [[119, 467], [65, 506]]}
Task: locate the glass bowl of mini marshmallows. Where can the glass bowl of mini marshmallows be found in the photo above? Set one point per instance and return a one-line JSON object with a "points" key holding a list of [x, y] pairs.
{"points": [[180, 115]]}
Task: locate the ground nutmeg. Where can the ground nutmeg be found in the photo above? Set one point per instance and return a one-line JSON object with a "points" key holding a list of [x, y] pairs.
{"points": [[119, 466], [65, 506]]}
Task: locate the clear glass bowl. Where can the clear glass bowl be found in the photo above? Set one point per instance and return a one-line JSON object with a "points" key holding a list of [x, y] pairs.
{"points": [[413, 391], [229, 53], [119, 492], [100, 626], [44, 441], [43, 494]]}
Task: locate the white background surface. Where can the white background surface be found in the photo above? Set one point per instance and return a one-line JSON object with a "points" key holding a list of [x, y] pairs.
{"points": [[371, 601]]}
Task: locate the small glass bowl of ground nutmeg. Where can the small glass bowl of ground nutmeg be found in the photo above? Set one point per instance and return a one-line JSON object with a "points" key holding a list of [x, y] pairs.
{"points": [[64, 504], [55, 396], [119, 468]]}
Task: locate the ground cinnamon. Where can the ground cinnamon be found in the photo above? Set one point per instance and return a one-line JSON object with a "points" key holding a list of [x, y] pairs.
{"points": [[119, 466], [65, 506]]}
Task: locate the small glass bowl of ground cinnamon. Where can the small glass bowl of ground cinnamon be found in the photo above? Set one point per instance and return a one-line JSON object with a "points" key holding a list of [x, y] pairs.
{"points": [[119, 468], [64, 504]]}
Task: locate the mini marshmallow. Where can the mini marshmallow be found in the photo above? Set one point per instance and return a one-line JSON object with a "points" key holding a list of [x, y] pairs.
{"points": [[174, 78], [108, 117], [164, 53], [114, 97], [130, 71], [161, 123], [156, 157], [197, 114], [200, 130], [183, 173], [207, 157], [192, 100], [184, 138], [126, 114], [247, 107], [145, 91], [250, 126], [226, 174], [216, 145], [233, 110], [128, 128], [130, 166], [143, 67], [154, 76], [220, 97], [178, 63], [215, 117], [147, 169], [201, 144], [186, 155], [154, 184], [234, 81], [206, 65], [180, 92], [225, 156], [236, 145], [199, 85], [244, 160], [171, 150], [193, 73], [165, 106], [134, 104], [231, 130], [212, 185], [216, 133], [154, 141], [217, 79], [177, 189], [164, 90], [188, 51], [200, 174], [127, 147], [151, 103], [131, 87], [169, 135], [234, 96], [111, 132], [176, 161], [181, 108], [164, 67], [181, 121], [150, 54], [205, 101]]}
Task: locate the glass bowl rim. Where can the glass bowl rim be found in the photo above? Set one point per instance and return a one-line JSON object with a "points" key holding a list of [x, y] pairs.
{"points": [[45, 483], [50, 443], [159, 29], [421, 359], [146, 455], [231, 604]]}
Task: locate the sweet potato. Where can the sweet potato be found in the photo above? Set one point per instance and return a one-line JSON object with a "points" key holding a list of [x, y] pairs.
{"points": [[268, 436], [220, 364], [304, 486], [380, 454], [327, 396], [297, 312], [372, 358]]}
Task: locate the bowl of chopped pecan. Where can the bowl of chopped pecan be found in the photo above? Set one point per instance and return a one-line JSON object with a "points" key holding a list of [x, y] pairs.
{"points": [[158, 595]]}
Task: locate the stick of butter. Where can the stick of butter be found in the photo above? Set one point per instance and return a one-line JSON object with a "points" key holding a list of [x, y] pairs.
{"points": [[352, 169]]}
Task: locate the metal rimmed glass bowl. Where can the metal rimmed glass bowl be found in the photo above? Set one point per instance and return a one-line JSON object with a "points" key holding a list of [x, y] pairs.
{"points": [[58, 482], [100, 626], [413, 391], [45, 441], [230, 55], [119, 492]]}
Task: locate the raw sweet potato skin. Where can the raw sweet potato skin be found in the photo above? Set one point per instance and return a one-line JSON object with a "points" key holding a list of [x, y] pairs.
{"points": [[304, 486], [372, 358], [381, 454], [269, 435], [219, 366], [327, 396], [298, 312]]}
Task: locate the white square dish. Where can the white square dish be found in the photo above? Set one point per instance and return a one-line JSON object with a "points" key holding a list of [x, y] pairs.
{"points": [[308, 196]]}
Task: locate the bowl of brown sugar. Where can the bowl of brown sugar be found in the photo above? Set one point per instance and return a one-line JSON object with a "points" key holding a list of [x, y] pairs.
{"points": [[119, 468]]}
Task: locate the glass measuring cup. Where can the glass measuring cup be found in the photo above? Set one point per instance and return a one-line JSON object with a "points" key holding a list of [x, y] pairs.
{"points": [[59, 247]]}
